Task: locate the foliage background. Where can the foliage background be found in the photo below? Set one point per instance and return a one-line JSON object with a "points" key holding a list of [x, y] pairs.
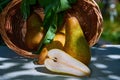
{"points": [[111, 32]]}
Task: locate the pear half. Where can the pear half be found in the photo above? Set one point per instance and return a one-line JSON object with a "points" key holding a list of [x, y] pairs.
{"points": [[61, 62]]}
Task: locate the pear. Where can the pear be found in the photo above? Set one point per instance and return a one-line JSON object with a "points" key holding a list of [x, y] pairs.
{"points": [[60, 62], [34, 32], [58, 42], [75, 43], [42, 56]]}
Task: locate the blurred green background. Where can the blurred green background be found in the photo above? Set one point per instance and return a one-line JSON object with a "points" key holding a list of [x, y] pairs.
{"points": [[111, 32]]}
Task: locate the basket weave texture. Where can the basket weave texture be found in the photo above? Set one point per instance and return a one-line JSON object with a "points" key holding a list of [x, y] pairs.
{"points": [[13, 27]]}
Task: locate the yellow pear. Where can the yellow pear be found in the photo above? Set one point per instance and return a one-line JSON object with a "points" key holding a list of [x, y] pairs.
{"points": [[34, 32], [42, 56], [58, 42], [75, 43]]}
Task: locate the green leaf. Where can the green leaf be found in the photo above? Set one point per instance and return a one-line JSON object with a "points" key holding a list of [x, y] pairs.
{"points": [[54, 12], [60, 19], [50, 26], [50, 34], [3, 3], [48, 18], [72, 1], [63, 5], [51, 31], [45, 3], [25, 8], [32, 2]]}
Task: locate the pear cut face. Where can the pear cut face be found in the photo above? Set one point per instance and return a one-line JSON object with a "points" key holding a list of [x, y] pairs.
{"points": [[61, 62]]}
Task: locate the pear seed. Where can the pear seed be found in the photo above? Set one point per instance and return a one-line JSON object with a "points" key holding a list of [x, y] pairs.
{"points": [[55, 59]]}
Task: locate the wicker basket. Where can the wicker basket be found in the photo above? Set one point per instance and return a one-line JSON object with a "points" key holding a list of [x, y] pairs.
{"points": [[13, 27]]}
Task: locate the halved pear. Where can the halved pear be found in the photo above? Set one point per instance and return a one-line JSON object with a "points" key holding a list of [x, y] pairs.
{"points": [[61, 62]]}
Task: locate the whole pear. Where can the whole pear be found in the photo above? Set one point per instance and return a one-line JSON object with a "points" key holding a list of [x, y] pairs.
{"points": [[75, 43], [34, 32]]}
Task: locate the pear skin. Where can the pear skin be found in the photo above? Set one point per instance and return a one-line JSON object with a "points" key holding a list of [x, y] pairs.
{"points": [[42, 56], [75, 43], [34, 32], [58, 42]]}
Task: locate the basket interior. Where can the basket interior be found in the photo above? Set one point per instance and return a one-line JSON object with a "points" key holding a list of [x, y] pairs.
{"points": [[88, 15], [15, 27]]}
